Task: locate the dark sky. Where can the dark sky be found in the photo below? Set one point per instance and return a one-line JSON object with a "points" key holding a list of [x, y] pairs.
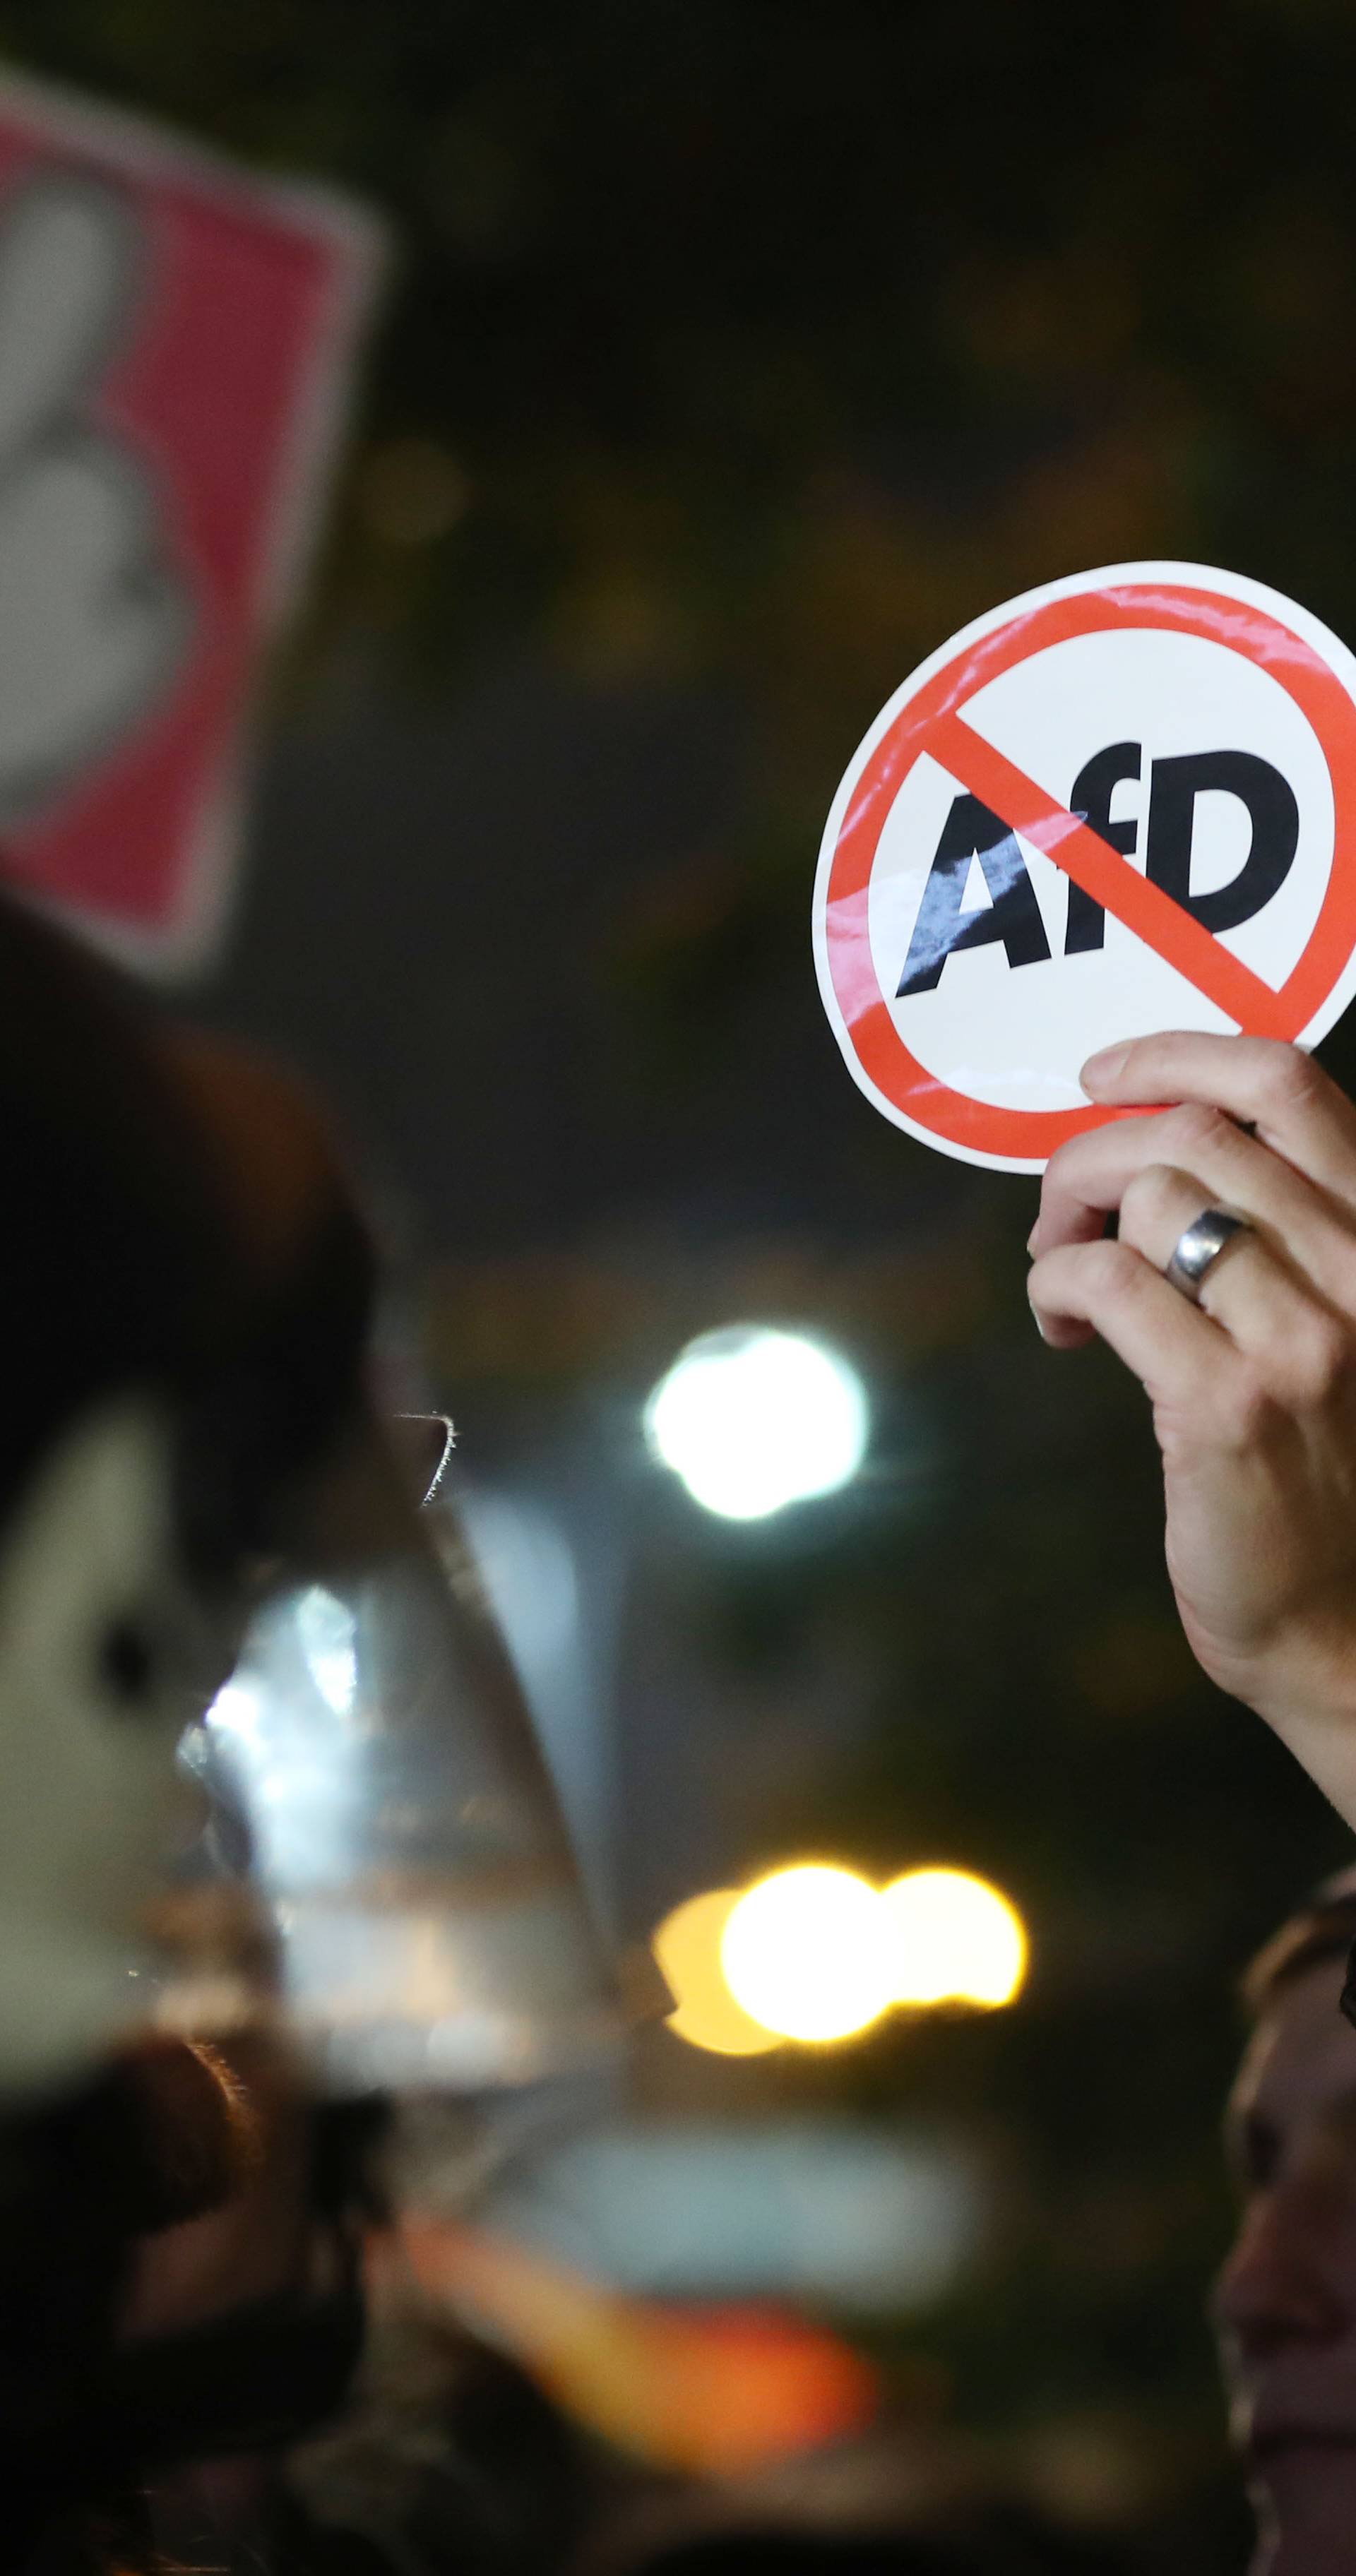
{"points": [[431, 918]]}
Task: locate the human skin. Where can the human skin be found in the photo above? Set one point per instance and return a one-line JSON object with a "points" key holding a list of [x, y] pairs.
{"points": [[1285, 2303], [258, 2239], [1254, 1390]]}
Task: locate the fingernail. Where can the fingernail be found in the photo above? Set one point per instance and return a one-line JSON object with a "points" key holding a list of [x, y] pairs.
{"points": [[1031, 1240], [1039, 1325], [1103, 1067]]}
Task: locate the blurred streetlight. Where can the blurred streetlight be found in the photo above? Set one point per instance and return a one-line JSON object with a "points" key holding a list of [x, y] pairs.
{"points": [[804, 1953], [813, 1953], [752, 1419], [954, 1939], [687, 1946]]}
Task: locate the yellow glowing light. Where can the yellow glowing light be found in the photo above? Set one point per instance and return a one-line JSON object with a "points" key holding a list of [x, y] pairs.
{"points": [[687, 1946], [806, 1953], [953, 1938]]}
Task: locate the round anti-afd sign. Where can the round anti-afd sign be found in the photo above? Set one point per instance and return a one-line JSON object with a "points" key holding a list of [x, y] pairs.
{"points": [[1121, 803]]}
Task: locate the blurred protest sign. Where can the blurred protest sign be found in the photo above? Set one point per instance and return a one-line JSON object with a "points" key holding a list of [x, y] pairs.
{"points": [[1123, 802], [175, 342]]}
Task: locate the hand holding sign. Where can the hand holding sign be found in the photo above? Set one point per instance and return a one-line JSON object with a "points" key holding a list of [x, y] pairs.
{"points": [[92, 618], [1124, 802], [1254, 1390]]}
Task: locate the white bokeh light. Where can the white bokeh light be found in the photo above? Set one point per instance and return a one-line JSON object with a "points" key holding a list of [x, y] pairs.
{"points": [[752, 1419], [328, 1633]]}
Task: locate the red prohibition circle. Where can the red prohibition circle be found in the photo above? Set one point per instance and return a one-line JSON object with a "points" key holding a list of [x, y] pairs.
{"points": [[978, 1126]]}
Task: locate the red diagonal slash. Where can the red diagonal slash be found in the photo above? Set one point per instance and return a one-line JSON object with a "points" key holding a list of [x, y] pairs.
{"points": [[1163, 925]]}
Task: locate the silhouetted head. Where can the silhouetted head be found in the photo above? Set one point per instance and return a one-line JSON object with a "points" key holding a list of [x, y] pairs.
{"points": [[185, 1302], [1285, 2303]]}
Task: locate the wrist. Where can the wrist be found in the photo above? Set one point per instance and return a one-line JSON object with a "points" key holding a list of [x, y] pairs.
{"points": [[1308, 1699]]}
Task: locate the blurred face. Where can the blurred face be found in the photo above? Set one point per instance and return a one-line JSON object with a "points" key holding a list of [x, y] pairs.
{"points": [[1285, 2304]]}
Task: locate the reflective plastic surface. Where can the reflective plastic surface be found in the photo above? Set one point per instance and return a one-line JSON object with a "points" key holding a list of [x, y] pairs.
{"points": [[372, 1766]]}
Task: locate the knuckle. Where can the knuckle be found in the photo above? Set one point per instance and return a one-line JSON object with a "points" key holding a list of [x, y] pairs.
{"points": [[1114, 1270], [1152, 1197], [1198, 1128], [1293, 1079], [1320, 1358], [1067, 1161], [1056, 1179]]}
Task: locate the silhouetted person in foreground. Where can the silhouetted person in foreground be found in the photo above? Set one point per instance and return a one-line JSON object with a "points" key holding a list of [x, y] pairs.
{"points": [[1285, 2304]]}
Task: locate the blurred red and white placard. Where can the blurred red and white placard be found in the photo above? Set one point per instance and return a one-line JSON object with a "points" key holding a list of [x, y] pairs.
{"points": [[176, 339]]}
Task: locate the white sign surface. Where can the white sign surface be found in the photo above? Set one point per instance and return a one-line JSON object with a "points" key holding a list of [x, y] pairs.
{"points": [[1123, 802]]}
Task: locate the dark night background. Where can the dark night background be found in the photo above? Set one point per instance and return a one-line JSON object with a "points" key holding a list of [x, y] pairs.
{"points": [[735, 352]]}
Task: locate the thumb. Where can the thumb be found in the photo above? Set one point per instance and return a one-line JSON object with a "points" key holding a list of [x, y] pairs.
{"points": [[67, 248]]}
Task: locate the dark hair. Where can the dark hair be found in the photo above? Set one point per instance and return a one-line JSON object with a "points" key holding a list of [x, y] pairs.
{"points": [[127, 1264], [1322, 1929]]}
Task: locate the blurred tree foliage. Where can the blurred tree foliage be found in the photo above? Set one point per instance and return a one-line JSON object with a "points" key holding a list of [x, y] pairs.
{"points": [[756, 344]]}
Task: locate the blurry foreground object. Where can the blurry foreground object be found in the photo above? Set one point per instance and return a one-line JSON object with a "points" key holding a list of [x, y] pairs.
{"points": [[185, 1304], [191, 1463], [714, 2392], [854, 2216], [175, 340], [753, 1419], [374, 1749], [450, 2461], [185, 1312]]}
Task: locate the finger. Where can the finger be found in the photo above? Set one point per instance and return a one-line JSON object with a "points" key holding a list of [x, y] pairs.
{"points": [[1110, 1289], [1268, 1313], [1277, 1089], [66, 251], [1091, 1175]]}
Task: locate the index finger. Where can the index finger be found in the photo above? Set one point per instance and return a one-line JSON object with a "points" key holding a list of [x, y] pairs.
{"points": [[1276, 1089]]}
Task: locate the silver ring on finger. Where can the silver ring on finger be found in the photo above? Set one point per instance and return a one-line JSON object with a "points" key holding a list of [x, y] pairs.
{"points": [[1196, 1252]]}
